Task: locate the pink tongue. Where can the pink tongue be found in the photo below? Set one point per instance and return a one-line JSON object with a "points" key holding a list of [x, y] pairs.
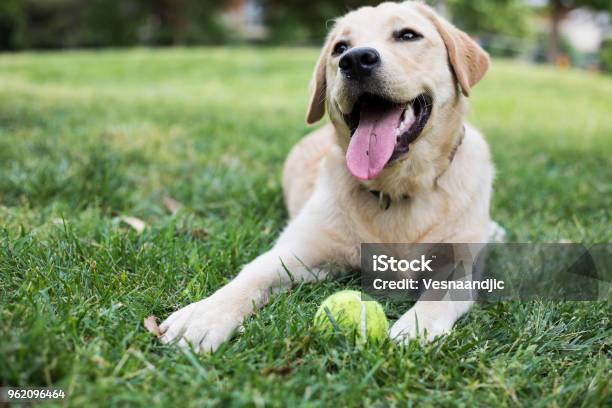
{"points": [[373, 142]]}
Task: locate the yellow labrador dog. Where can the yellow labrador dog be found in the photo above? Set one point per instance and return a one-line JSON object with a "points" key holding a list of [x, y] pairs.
{"points": [[396, 164]]}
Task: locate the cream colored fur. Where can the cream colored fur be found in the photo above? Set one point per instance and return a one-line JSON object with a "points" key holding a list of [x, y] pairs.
{"points": [[332, 213]]}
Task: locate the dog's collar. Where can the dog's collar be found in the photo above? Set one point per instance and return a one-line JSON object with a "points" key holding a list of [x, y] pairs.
{"points": [[453, 152], [384, 199]]}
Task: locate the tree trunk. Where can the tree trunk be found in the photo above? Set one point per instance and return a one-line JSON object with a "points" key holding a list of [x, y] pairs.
{"points": [[554, 41]]}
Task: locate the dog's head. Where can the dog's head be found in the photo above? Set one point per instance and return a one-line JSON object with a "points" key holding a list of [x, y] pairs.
{"points": [[390, 77]]}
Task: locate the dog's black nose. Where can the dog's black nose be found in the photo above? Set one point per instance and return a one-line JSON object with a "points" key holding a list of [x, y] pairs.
{"points": [[359, 62]]}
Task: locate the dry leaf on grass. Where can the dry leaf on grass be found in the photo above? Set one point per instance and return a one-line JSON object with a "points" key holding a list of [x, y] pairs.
{"points": [[172, 205], [150, 323], [282, 370], [199, 233], [136, 223]]}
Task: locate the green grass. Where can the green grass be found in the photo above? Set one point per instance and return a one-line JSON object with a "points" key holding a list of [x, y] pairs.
{"points": [[88, 136]]}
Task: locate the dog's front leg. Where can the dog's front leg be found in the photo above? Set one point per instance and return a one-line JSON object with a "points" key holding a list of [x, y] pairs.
{"points": [[428, 319], [299, 251]]}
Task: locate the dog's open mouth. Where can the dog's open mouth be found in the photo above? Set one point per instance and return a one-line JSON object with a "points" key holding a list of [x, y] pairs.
{"points": [[381, 131]]}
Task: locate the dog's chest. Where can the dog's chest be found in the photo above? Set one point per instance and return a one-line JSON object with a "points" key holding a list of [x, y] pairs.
{"points": [[406, 221]]}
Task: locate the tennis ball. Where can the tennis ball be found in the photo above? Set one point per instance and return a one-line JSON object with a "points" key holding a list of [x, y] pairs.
{"points": [[353, 314]]}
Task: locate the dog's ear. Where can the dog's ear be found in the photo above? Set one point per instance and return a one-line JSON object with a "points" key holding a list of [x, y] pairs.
{"points": [[318, 87], [468, 60]]}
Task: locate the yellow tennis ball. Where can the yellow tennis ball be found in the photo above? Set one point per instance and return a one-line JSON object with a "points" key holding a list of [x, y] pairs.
{"points": [[353, 314]]}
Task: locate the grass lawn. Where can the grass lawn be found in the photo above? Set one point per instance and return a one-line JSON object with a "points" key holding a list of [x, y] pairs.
{"points": [[88, 136]]}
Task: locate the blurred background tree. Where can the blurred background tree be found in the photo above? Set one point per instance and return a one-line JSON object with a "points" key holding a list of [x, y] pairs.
{"points": [[103, 23], [11, 24], [558, 10], [502, 26], [304, 21], [507, 17]]}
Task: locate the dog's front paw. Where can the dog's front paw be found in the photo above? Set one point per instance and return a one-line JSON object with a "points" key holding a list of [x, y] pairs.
{"points": [[423, 327], [203, 325]]}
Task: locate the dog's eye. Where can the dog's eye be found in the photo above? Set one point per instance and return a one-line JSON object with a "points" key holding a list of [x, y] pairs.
{"points": [[407, 35], [340, 48]]}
